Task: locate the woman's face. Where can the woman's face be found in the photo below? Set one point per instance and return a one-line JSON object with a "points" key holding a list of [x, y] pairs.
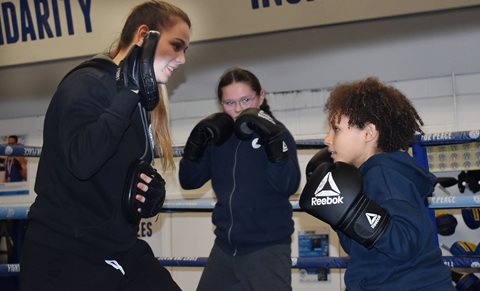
{"points": [[237, 97], [171, 49]]}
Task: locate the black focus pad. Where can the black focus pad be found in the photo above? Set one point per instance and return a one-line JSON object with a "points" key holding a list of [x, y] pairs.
{"points": [[136, 71], [127, 75], [154, 197], [149, 94]]}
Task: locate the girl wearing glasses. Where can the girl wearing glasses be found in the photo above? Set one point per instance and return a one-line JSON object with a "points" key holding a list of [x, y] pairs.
{"points": [[251, 160]]}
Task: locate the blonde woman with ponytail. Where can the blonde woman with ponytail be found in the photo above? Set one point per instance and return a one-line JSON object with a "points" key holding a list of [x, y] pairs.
{"points": [[103, 128]]}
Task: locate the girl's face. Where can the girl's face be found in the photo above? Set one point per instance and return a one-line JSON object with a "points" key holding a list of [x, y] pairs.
{"points": [[239, 96], [171, 49], [349, 144]]}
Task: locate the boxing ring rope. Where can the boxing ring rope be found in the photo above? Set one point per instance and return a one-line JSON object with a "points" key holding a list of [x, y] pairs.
{"points": [[429, 139], [206, 205], [297, 263]]}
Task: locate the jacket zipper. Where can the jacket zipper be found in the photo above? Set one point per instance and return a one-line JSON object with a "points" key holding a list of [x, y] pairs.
{"points": [[231, 198]]}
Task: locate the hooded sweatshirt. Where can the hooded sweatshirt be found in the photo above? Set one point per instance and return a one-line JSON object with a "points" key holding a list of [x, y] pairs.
{"points": [[406, 256], [253, 208], [92, 132]]}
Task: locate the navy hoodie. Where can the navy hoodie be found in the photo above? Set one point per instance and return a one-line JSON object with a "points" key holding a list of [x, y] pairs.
{"points": [[406, 256], [253, 208]]}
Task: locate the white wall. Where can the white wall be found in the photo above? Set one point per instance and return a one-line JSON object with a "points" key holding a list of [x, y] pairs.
{"points": [[432, 58], [410, 47], [445, 103]]}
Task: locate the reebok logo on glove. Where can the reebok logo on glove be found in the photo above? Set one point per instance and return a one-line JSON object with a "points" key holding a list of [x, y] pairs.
{"points": [[284, 147], [330, 192], [326, 189], [327, 181], [373, 219]]}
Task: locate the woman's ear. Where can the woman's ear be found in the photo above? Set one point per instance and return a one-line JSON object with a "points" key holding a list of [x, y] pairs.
{"points": [[142, 30]]}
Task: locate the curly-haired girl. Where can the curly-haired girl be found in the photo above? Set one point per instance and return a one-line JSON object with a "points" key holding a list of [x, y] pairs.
{"points": [[371, 127]]}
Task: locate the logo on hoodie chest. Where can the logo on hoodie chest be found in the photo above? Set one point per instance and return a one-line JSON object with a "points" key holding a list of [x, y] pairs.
{"points": [[255, 144]]}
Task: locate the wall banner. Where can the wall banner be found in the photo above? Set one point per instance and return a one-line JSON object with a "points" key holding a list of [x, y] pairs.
{"points": [[42, 30]]}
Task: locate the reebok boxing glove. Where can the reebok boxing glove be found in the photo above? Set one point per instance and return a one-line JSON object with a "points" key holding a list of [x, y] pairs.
{"points": [[271, 134], [333, 194], [154, 197], [322, 156], [136, 71], [215, 128]]}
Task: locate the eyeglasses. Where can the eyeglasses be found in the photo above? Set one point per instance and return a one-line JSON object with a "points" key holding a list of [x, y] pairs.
{"points": [[244, 102]]}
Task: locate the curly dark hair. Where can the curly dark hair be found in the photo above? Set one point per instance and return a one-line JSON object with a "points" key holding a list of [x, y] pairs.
{"points": [[371, 101]]}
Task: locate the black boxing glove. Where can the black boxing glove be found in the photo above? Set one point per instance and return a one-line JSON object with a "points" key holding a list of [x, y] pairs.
{"points": [[136, 71], [333, 194], [215, 128], [154, 197], [322, 156], [271, 134]]}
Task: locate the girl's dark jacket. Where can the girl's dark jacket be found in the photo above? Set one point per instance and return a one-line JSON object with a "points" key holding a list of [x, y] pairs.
{"points": [[252, 209]]}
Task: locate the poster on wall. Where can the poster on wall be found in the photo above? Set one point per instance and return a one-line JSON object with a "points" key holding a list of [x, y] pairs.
{"points": [[13, 169], [313, 243], [454, 157]]}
